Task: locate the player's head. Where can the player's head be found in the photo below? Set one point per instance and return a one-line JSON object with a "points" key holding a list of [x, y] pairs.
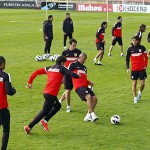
{"points": [[142, 28], [135, 40], [73, 44], [67, 15], [104, 24], [61, 60], [82, 58], [119, 19], [50, 17], [2, 62]]}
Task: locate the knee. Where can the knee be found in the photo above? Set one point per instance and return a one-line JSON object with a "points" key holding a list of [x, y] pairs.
{"points": [[6, 128]]}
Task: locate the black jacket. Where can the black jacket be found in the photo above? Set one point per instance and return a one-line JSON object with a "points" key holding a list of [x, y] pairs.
{"points": [[48, 29], [68, 25]]}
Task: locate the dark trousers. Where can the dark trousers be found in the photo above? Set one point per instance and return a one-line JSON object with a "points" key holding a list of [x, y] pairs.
{"points": [[50, 108], [48, 46], [5, 122], [65, 37]]}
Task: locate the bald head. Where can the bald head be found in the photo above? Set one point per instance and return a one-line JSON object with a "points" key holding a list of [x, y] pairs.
{"points": [[82, 58]]}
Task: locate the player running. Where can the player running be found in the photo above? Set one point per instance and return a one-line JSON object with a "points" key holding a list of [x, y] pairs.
{"points": [[117, 36], [100, 42], [139, 60], [81, 87], [51, 105], [71, 54]]}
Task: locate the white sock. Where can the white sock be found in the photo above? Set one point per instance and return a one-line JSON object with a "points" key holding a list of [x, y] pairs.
{"points": [[68, 107], [92, 114], [140, 92], [135, 98]]}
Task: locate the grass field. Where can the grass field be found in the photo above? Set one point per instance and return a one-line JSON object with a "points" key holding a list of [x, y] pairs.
{"points": [[21, 40]]}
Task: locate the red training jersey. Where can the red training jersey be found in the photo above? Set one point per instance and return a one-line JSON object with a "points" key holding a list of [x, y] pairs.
{"points": [[100, 35], [71, 56], [138, 56], [117, 29], [54, 78], [82, 81]]}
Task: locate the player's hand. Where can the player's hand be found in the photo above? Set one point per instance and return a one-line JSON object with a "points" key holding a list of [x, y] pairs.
{"points": [[46, 38], [128, 70], [103, 41], [64, 33], [29, 86], [91, 84], [113, 37], [78, 73]]}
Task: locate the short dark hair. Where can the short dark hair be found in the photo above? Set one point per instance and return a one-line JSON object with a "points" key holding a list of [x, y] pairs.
{"points": [[2, 60], [60, 59], [72, 41], [103, 23], [119, 17], [67, 14], [135, 37], [50, 16], [142, 26]]}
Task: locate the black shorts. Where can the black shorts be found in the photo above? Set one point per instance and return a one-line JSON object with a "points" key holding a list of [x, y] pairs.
{"points": [[100, 46], [68, 85], [82, 92], [117, 39], [138, 74]]}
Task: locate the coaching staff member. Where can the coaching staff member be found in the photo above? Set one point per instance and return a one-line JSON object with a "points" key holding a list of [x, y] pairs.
{"points": [[5, 88], [48, 35], [68, 28]]}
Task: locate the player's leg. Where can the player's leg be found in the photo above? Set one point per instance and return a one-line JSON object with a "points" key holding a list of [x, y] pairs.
{"points": [[68, 100], [65, 39], [5, 118], [143, 76], [54, 110], [134, 84], [114, 40], [48, 105], [121, 46], [70, 36]]}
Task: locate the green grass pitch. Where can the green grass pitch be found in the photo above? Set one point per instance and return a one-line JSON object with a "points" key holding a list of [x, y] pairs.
{"points": [[21, 40]]}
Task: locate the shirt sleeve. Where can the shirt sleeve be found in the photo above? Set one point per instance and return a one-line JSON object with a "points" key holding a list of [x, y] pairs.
{"points": [[35, 73], [9, 89], [128, 58], [64, 25], [69, 73]]}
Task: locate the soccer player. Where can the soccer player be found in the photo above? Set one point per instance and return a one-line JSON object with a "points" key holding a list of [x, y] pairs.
{"points": [[68, 29], [71, 54], [48, 36], [51, 105], [139, 60], [141, 30], [81, 87], [100, 42], [117, 36], [5, 88]]}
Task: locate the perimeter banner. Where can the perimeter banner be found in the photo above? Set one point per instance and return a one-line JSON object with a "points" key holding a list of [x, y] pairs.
{"points": [[94, 7], [131, 8], [58, 6], [17, 4]]}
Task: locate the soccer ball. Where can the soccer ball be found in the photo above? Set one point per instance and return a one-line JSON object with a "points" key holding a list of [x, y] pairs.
{"points": [[56, 56], [38, 58], [115, 119], [51, 58]]}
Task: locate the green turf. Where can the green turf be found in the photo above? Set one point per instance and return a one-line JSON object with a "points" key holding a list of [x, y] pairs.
{"points": [[21, 40]]}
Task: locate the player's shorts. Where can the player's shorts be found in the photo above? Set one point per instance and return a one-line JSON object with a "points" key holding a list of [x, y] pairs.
{"points": [[117, 39], [68, 85], [100, 45], [138, 74], [82, 92]]}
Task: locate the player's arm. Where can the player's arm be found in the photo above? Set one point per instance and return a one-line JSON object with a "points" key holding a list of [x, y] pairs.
{"points": [[148, 37], [128, 59], [45, 28], [97, 34], [145, 56], [72, 27], [64, 26], [33, 76], [9, 89], [69, 73]]}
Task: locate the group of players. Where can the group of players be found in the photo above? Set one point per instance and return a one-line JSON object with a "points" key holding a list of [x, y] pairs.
{"points": [[70, 68]]}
